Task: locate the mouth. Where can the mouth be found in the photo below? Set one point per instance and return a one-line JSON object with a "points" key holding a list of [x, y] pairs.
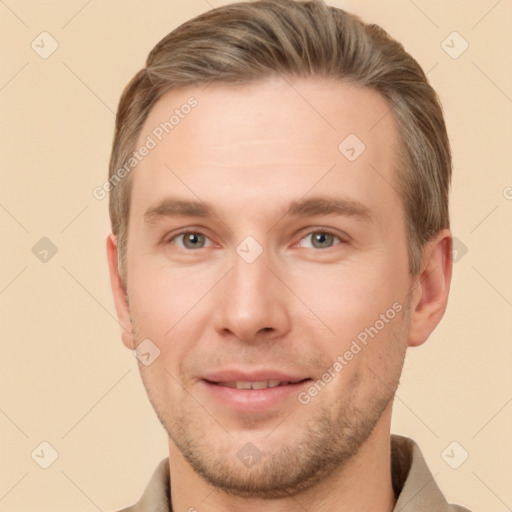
{"points": [[258, 384], [253, 393]]}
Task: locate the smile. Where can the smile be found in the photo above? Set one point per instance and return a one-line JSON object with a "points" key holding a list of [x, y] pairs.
{"points": [[254, 395], [262, 384]]}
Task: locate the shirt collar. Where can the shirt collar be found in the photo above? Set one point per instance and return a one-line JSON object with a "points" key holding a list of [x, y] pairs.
{"points": [[413, 482]]}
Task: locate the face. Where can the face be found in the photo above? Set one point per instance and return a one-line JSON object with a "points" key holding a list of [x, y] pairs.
{"points": [[268, 264]]}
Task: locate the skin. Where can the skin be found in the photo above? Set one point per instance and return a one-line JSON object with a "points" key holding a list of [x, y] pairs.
{"points": [[249, 152]]}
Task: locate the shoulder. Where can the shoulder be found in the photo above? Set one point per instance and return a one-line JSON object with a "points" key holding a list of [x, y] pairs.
{"points": [[413, 482]]}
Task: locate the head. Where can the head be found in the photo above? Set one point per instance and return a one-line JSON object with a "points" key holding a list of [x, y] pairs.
{"points": [[292, 221]]}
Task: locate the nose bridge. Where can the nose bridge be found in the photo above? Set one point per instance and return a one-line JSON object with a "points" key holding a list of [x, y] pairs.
{"points": [[255, 268], [252, 298], [249, 283]]}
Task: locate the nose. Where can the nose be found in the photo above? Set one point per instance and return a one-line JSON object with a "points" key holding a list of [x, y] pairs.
{"points": [[252, 303]]}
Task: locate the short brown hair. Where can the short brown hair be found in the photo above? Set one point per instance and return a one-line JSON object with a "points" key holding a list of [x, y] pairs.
{"points": [[250, 41]]}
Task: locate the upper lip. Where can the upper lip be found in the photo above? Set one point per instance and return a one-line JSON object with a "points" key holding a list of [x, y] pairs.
{"points": [[253, 376]]}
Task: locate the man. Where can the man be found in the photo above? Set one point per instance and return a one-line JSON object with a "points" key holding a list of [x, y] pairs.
{"points": [[279, 203]]}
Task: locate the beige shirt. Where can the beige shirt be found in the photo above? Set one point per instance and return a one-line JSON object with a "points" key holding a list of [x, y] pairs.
{"points": [[413, 483]]}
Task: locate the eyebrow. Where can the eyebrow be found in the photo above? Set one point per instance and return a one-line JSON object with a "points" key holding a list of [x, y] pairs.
{"points": [[173, 207], [170, 207], [329, 205]]}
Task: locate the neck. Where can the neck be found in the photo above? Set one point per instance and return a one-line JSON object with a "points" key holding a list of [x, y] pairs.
{"points": [[363, 484]]}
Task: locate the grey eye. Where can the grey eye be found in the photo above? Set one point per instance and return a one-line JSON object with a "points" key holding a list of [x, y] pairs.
{"points": [[319, 240], [322, 240], [192, 240]]}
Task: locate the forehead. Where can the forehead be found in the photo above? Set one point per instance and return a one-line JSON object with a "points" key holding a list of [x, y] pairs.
{"points": [[274, 137]]}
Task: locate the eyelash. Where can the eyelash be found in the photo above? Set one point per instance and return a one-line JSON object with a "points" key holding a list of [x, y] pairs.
{"points": [[324, 231]]}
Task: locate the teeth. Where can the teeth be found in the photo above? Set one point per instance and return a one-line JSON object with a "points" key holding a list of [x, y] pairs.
{"points": [[262, 384], [259, 385]]}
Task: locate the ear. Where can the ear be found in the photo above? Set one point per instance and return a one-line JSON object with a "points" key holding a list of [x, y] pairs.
{"points": [[430, 293], [120, 300]]}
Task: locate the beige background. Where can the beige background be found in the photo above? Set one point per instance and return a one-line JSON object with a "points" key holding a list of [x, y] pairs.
{"points": [[65, 376]]}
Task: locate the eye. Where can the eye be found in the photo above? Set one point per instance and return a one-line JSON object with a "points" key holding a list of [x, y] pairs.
{"points": [[319, 240], [191, 240]]}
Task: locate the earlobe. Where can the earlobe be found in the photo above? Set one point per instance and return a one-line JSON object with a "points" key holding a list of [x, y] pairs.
{"points": [[119, 293], [430, 296]]}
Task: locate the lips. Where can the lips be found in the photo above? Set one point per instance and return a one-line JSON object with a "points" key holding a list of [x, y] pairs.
{"points": [[252, 392], [259, 384], [260, 379]]}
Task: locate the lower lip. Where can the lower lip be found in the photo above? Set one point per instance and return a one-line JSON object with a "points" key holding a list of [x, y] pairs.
{"points": [[254, 400]]}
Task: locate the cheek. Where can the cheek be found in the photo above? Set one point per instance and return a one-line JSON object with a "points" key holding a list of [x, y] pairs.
{"points": [[159, 292], [158, 304], [349, 298], [171, 308]]}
